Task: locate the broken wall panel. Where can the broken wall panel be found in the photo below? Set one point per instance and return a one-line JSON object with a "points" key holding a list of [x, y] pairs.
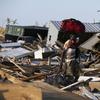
{"points": [[9, 45], [17, 52]]}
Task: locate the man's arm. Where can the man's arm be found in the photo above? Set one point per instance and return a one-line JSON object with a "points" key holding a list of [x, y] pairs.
{"points": [[67, 44]]}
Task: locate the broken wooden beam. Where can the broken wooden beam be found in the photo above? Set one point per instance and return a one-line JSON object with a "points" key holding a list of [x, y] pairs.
{"points": [[76, 83], [34, 77], [9, 77], [71, 85], [16, 65]]}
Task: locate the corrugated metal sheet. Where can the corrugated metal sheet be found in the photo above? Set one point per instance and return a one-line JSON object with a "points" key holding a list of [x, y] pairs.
{"points": [[17, 52], [57, 24], [90, 27], [8, 45], [98, 24]]}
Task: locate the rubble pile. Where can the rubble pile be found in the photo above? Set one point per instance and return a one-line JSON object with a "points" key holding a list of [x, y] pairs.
{"points": [[27, 63]]}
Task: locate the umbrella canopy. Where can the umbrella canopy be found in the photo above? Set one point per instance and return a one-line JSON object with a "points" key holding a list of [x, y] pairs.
{"points": [[72, 26]]}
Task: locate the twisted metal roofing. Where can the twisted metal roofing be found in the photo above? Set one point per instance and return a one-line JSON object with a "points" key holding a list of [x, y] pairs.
{"points": [[89, 27], [90, 42]]}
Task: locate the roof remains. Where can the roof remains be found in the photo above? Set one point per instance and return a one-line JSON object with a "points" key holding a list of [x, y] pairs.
{"points": [[90, 27], [90, 42]]}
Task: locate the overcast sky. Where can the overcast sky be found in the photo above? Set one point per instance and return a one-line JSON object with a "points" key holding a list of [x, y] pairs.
{"points": [[29, 12]]}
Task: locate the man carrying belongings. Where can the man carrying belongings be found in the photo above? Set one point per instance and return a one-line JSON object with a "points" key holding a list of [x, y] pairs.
{"points": [[70, 56]]}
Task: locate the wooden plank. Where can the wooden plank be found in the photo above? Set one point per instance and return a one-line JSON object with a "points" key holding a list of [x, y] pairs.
{"points": [[90, 71], [9, 77], [76, 83], [28, 48], [35, 77], [8, 70], [71, 85], [16, 65]]}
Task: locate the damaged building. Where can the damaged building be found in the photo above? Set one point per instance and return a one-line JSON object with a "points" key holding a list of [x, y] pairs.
{"points": [[54, 34], [27, 33]]}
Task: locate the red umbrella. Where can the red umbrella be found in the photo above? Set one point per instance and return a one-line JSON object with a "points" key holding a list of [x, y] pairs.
{"points": [[72, 26]]}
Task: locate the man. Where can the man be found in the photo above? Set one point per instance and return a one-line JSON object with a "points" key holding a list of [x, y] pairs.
{"points": [[71, 54]]}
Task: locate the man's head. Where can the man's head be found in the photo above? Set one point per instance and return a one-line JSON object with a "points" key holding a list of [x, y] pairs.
{"points": [[73, 37]]}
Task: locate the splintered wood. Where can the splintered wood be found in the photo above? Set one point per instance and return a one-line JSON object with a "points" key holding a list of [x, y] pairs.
{"points": [[28, 70]]}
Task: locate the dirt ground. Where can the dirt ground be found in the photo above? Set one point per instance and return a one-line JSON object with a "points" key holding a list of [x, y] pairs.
{"points": [[34, 91], [19, 92]]}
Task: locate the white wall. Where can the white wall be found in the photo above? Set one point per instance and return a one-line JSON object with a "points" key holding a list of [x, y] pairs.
{"points": [[53, 32]]}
